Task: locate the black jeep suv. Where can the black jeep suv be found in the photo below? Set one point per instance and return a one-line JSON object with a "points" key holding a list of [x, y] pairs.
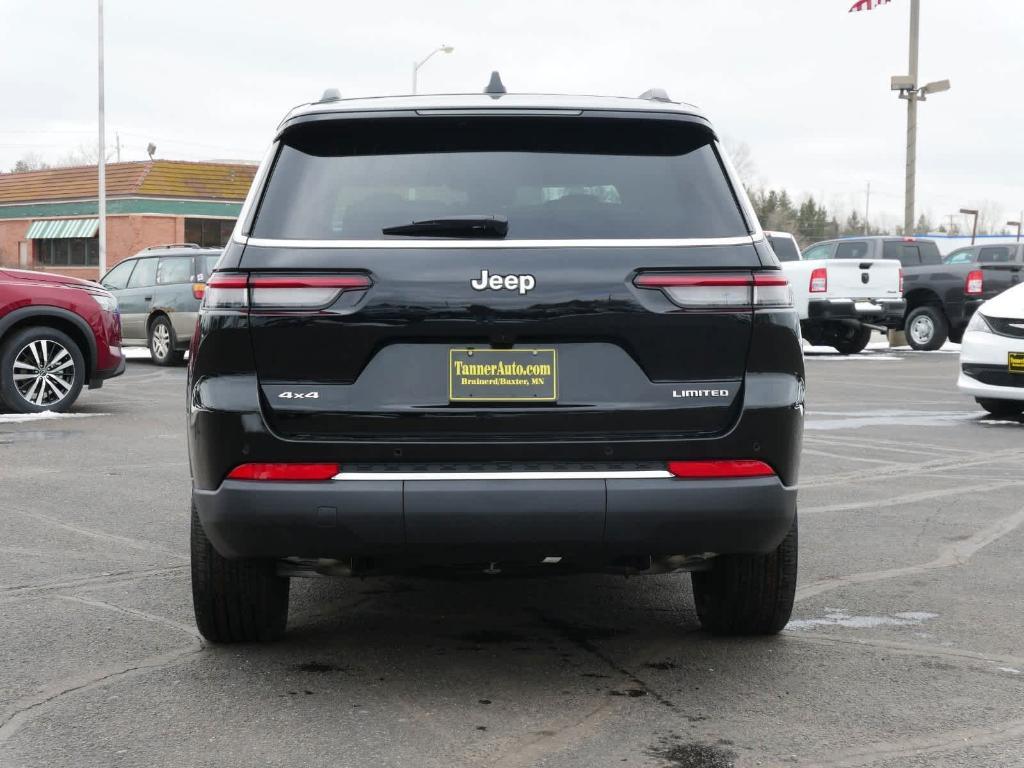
{"points": [[498, 333]]}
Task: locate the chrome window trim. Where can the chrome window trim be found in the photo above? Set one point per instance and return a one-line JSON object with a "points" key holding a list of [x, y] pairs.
{"points": [[568, 475], [693, 242]]}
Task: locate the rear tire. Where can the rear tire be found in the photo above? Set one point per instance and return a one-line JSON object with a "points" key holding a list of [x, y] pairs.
{"points": [[856, 342], [1001, 407], [236, 601], [45, 351], [163, 343], [926, 328], [748, 594]]}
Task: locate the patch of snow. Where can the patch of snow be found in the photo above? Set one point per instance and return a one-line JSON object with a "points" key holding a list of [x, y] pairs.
{"points": [[839, 618], [890, 418], [139, 353], [1011, 670], [862, 357], [18, 418]]}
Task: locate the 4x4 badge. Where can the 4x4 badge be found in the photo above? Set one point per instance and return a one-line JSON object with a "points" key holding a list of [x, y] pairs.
{"points": [[522, 283]]}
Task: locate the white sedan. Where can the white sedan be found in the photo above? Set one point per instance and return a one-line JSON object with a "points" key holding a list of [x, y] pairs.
{"points": [[992, 354]]}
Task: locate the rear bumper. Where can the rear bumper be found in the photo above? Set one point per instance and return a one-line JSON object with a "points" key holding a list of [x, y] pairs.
{"points": [[887, 312], [458, 521]]}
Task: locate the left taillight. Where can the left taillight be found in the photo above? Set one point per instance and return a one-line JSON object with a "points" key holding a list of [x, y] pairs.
{"points": [[975, 284], [284, 472], [301, 291], [198, 290], [226, 290], [720, 291]]}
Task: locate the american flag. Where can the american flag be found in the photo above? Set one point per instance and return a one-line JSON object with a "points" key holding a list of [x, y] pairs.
{"points": [[867, 5]]}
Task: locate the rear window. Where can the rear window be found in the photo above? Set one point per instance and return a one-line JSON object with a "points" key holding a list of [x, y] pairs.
{"points": [[994, 255], [784, 248], [552, 178], [205, 265], [852, 250], [912, 253]]}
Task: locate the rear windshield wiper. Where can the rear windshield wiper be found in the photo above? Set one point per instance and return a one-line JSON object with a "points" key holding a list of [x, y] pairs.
{"points": [[453, 226]]}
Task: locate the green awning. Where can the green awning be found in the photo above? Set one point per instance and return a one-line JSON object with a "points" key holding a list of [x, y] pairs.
{"points": [[46, 229]]}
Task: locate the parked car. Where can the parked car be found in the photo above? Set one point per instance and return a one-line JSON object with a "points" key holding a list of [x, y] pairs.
{"points": [[159, 291], [499, 333], [992, 355], [57, 334], [941, 294], [840, 299]]}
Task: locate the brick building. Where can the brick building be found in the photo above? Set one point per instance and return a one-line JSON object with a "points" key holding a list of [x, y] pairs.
{"points": [[48, 219]]}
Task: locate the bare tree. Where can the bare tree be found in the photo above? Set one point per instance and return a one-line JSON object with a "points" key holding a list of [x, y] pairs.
{"points": [[83, 154], [742, 160], [30, 162]]}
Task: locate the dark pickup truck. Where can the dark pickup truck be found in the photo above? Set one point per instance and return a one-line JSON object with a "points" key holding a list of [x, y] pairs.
{"points": [[941, 294]]}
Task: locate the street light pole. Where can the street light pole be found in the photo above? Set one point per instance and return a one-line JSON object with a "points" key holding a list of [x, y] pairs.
{"points": [[417, 64], [911, 177], [102, 160], [972, 212], [1016, 224]]}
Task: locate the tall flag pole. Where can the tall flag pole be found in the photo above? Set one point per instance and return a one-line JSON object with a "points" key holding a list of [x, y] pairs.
{"points": [[101, 167]]}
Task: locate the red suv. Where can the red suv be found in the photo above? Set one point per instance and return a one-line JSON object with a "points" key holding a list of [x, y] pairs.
{"points": [[56, 334]]}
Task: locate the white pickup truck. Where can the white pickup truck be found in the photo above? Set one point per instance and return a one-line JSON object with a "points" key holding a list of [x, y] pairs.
{"points": [[841, 297]]}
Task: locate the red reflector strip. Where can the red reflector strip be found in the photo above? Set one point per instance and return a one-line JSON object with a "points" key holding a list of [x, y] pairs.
{"points": [[227, 281], [720, 468], [313, 281], [690, 281], [285, 472], [770, 280]]}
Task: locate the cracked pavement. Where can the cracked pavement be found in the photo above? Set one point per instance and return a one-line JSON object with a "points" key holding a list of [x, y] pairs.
{"points": [[906, 647]]}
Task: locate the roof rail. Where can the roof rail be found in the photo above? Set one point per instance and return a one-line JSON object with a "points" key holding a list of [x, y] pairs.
{"points": [[331, 94], [655, 94], [172, 245]]}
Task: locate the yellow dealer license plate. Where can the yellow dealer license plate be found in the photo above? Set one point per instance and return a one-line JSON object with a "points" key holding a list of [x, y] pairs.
{"points": [[1017, 362], [502, 375]]}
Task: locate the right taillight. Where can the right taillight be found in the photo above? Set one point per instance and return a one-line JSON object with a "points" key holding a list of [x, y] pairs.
{"points": [[901, 280], [819, 281], [721, 291], [975, 284]]}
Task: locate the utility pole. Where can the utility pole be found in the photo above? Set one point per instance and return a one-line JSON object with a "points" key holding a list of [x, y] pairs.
{"points": [[117, 137], [102, 159], [912, 96], [867, 211]]}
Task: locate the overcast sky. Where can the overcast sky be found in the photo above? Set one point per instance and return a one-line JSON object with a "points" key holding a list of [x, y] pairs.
{"points": [[802, 82]]}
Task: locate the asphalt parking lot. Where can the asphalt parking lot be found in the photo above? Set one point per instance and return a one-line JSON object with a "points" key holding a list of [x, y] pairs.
{"points": [[905, 649]]}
